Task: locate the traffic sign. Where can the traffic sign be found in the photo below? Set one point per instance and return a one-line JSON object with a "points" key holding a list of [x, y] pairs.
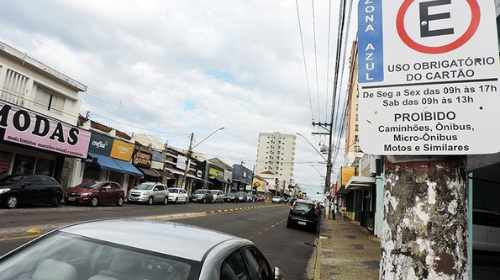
{"points": [[428, 77]]}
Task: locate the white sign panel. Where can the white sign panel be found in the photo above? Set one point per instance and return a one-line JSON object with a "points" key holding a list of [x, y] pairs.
{"points": [[428, 77]]}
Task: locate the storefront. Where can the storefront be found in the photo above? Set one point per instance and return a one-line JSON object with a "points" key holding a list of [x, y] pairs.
{"points": [[109, 159], [32, 143]]}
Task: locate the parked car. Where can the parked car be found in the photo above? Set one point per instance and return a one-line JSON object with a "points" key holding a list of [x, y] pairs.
{"points": [[304, 213], [231, 197], [242, 196], [95, 193], [218, 195], [260, 198], [93, 250], [486, 228], [149, 192], [177, 195], [29, 189], [202, 196], [277, 199]]}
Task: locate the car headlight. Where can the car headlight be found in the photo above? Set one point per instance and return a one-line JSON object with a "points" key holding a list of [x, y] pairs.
{"points": [[4, 191], [86, 194]]}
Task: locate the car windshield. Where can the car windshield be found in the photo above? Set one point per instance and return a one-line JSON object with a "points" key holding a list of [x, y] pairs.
{"points": [[145, 186], [67, 252], [11, 179], [89, 184], [173, 190], [231, 194], [303, 206], [200, 192]]}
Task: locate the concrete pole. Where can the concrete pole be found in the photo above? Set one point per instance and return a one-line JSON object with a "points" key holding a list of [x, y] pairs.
{"points": [[186, 169], [425, 223]]}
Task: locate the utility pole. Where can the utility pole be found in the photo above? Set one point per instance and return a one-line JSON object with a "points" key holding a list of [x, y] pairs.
{"points": [[328, 127], [186, 169]]}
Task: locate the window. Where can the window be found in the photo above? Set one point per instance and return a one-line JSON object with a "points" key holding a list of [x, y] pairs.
{"points": [[258, 267], [15, 84], [50, 101], [233, 268]]}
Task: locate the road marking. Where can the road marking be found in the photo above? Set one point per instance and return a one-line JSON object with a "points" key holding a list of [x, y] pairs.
{"points": [[19, 237]]}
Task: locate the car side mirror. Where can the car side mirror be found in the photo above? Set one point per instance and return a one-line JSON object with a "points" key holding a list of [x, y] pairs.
{"points": [[278, 275]]}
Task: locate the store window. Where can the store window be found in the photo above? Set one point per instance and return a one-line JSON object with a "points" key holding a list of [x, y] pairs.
{"points": [[5, 158], [24, 165], [44, 167]]}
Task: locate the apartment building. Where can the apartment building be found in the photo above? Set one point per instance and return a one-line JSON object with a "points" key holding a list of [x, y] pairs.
{"points": [[276, 154]]}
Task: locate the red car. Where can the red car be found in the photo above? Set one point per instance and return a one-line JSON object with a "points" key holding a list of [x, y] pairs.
{"points": [[95, 193], [260, 198]]}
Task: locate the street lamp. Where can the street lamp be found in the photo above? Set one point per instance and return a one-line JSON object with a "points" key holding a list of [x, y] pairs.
{"points": [[189, 152], [312, 146]]}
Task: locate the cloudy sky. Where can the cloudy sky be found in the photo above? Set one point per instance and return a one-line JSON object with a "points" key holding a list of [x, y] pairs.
{"points": [[171, 68]]}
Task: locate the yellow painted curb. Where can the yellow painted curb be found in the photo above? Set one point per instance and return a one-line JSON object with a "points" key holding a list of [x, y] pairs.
{"points": [[155, 218], [219, 211], [212, 212]]}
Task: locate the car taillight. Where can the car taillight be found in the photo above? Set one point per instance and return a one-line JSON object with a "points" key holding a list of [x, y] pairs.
{"points": [[293, 206]]}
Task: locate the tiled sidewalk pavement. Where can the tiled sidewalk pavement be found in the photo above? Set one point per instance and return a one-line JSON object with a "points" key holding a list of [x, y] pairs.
{"points": [[347, 251]]}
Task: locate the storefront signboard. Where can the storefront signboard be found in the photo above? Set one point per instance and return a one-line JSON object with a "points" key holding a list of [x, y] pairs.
{"points": [[100, 144], [30, 128], [142, 159], [122, 150]]}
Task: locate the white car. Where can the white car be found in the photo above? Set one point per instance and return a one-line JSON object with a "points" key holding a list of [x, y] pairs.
{"points": [[177, 195], [486, 230], [218, 196], [277, 199], [136, 249]]}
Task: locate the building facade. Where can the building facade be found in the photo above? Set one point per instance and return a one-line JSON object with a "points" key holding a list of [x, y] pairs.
{"points": [[276, 153]]}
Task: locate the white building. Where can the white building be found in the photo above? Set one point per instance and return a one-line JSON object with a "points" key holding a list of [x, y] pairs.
{"points": [[276, 153]]}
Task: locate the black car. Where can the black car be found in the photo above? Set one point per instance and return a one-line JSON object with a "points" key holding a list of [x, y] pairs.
{"points": [[231, 197], [29, 189], [304, 213]]}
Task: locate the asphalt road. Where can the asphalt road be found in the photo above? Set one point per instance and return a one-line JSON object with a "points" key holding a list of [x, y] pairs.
{"points": [[291, 250]]}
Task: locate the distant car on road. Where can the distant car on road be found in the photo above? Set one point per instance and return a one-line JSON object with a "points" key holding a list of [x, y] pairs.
{"points": [[486, 228], [149, 192], [231, 197], [95, 193], [136, 249], [242, 197], [202, 196], [177, 195], [218, 195], [29, 189], [304, 213], [277, 199], [260, 198]]}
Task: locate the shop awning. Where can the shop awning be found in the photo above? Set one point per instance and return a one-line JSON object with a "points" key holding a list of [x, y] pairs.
{"points": [[149, 172], [174, 171], [359, 183], [165, 174], [128, 168], [107, 163], [219, 179]]}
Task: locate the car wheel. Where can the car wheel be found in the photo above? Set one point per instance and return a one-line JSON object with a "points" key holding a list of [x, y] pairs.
{"points": [[204, 200], [95, 201], [120, 201], [11, 202], [166, 201], [150, 201], [54, 202], [176, 200]]}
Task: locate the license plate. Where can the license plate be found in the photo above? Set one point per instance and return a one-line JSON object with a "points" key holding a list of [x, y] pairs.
{"points": [[71, 199], [301, 223]]}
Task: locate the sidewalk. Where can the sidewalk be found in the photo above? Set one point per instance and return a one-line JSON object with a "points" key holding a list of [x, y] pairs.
{"points": [[346, 251]]}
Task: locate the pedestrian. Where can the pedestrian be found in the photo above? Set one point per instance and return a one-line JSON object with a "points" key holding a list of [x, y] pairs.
{"points": [[332, 206], [343, 210]]}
